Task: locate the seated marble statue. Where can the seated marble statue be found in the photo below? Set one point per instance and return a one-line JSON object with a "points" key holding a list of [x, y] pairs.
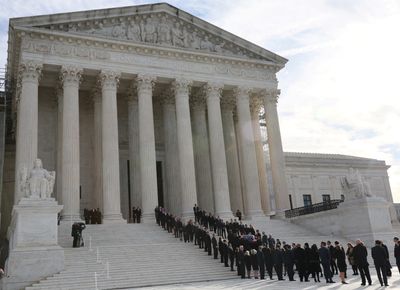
{"points": [[39, 183], [354, 185]]}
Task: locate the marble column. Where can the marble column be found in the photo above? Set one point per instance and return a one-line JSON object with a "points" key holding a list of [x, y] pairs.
{"points": [[276, 151], [147, 147], [185, 147], [97, 150], [231, 152], [217, 150], [134, 157], [110, 148], [249, 168], [262, 171], [59, 95], [201, 153], [27, 122], [70, 169], [172, 171]]}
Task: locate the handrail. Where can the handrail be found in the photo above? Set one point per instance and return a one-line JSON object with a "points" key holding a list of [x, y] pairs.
{"points": [[314, 208]]}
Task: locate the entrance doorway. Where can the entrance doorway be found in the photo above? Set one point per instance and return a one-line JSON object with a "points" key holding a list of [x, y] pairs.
{"points": [[160, 184]]}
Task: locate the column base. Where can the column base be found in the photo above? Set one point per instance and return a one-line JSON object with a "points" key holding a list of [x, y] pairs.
{"points": [[113, 219], [255, 214], [148, 218]]}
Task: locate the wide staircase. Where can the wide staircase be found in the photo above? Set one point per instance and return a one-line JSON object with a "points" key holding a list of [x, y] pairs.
{"points": [[128, 256], [137, 255]]}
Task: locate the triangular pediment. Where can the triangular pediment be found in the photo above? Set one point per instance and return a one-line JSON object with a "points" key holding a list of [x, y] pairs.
{"points": [[156, 24]]}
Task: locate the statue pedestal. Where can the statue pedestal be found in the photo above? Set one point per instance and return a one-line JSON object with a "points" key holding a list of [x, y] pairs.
{"points": [[34, 251], [366, 218]]}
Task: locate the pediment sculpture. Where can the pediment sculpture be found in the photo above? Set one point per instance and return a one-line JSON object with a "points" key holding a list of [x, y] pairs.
{"points": [[354, 185], [161, 29], [38, 183]]}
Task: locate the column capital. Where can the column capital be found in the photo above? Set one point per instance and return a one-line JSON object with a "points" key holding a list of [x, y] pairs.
{"points": [[30, 71], [228, 103], [71, 75], [271, 95], [108, 79], [181, 87], [242, 92], [145, 83], [213, 89]]}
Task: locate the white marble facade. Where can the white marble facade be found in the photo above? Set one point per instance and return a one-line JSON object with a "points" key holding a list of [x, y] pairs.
{"points": [[320, 174], [147, 103]]}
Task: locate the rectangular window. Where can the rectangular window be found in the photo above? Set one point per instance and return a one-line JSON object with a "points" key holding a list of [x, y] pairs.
{"points": [[307, 199], [326, 198]]}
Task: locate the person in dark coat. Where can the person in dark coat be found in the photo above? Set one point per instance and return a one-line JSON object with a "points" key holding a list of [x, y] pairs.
{"points": [[261, 262], [221, 249], [325, 258], [231, 256], [269, 261], [388, 264], [254, 262], [278, 261], [380, 261], [299, 259], [332, 251], [208, 243], [314, 267], [289, 260], [247, 261], [397, 251], [341, 262], [241, 262], [350, 258], [215, 246], [226, 253], [307, 254], [360, 257]]}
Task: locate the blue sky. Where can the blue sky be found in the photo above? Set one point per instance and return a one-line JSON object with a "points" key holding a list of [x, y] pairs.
{"points": [[340, 88]]}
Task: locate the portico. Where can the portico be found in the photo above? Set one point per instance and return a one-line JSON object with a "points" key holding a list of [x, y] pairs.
{"points": [[132, 114]]}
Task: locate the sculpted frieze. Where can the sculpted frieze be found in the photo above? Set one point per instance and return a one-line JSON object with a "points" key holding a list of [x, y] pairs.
{"points": [[145, 57], [160, 29]]}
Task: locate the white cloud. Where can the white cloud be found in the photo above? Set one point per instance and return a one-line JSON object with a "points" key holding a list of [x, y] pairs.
{"points": [[340, 88]]}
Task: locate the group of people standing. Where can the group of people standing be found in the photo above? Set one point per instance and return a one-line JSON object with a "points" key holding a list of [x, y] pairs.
{"points": [[256, 254], [136, 215], [92, 216]]}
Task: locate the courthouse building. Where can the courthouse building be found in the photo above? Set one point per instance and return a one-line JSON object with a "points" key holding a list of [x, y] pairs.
{"points": [[140, 106], [147, 105]]}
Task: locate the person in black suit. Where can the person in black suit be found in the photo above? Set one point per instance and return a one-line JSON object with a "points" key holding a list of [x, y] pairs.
{"points": [[261, 262], [325, 258], [278, 261], [397, 251], [241, 262], [360, 257], [289, 260], [380, 261], [215, 246], [332, 251], [269, 260]]}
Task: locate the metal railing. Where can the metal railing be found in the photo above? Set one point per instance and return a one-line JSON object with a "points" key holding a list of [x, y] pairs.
{"points": [[318, 207]]}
